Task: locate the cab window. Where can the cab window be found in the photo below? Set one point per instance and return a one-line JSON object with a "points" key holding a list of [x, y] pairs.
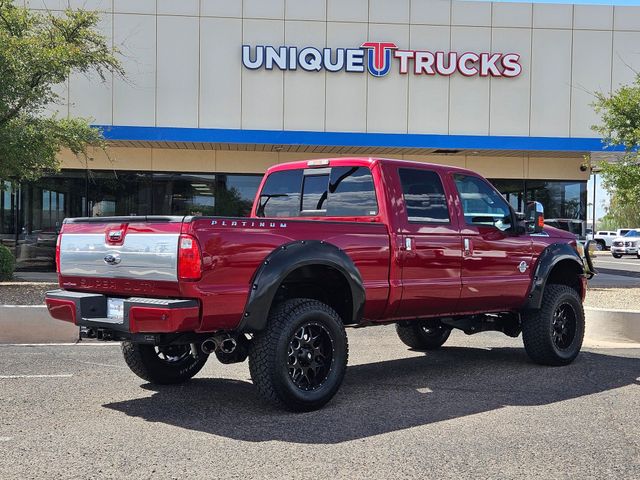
{"points": [[481, 204], [423, 196], [334, 192], [280, 196]]}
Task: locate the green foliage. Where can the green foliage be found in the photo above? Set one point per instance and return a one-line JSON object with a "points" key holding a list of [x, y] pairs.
{"points": [[620, 115], [7, 263], [37, 52]]}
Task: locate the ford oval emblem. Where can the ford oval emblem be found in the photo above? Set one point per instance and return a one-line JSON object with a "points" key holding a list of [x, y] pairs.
{"points": [[112, 259]]}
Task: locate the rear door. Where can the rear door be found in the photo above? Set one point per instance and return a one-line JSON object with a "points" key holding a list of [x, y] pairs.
{"points": [[496, 262], [429, 255]]}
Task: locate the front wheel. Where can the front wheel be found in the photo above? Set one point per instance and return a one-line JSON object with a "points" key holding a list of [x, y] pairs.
{"points": [[423, 335], [299, 360], [163, 365], [616, 255], [553, 335]]}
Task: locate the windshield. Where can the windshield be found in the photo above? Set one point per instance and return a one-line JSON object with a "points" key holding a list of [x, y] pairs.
{"points": [[632, 233]]}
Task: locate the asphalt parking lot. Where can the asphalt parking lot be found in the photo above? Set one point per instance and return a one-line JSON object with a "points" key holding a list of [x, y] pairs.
{"points": [[477, 408], [616, 272]]}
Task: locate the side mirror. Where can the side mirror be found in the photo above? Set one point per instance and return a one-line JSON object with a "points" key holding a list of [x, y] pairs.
{"points": [[534, 217]]}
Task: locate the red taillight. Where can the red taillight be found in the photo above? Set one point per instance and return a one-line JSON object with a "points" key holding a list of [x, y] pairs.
{"points": [[58, 253], [189, 258]]}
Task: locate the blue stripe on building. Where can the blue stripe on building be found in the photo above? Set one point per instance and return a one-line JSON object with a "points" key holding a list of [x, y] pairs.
{"points": [[349, 139]]}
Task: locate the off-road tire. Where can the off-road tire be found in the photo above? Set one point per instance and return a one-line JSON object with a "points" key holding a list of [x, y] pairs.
{"points": [[538, 327], [422, 336], [144, 361], [271, 354]]}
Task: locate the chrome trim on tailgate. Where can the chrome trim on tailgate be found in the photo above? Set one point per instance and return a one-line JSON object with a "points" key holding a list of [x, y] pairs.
{"points": [[143, 256]]}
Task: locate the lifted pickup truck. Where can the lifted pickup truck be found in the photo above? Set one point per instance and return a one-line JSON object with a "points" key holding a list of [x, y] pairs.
{"points": [[329, 244]]}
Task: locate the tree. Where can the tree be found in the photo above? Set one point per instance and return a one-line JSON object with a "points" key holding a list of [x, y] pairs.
{"points": [[38, 51], [620, 115]]}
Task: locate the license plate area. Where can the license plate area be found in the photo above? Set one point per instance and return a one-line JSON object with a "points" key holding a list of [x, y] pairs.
{"points": [[115, 310]]}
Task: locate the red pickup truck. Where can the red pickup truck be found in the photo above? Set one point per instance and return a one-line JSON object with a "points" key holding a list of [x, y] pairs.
{"points": [[329, 244]]}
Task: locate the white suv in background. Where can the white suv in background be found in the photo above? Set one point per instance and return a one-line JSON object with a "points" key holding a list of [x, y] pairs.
{"points": [[626, 244], [604, 239]]}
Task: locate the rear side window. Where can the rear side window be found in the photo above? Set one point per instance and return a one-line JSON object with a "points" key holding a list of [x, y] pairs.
{"points": [[314, 193], [335, 192], [351, 193], [280, 196], [424, 196]]}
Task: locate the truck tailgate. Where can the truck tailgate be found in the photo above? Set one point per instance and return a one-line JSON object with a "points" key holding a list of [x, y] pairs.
{"points": [[140, 250]]}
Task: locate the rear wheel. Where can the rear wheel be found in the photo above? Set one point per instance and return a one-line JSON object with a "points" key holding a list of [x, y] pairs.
{"points": [[163, 364], [600, 245], [553, 335], [299, 360], [423, 335]]}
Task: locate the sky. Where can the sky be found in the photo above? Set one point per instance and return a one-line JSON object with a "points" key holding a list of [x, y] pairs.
{"points": [[602, 199]]}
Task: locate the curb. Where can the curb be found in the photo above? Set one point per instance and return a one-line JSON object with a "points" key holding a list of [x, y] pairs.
{"points": [[32, 324], [612, 325]]}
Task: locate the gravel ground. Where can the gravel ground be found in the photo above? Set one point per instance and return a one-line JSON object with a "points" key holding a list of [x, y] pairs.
{"points": [[31, 293], [615, 298], [24, 293]]}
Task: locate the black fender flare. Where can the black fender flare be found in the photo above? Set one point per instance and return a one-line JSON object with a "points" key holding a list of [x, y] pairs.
{"points": [[547, 260], [286, 259]]}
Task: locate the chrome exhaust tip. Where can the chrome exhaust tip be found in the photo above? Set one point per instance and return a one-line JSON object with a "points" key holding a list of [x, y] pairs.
{"points": [[228, 345], [209, 346]]}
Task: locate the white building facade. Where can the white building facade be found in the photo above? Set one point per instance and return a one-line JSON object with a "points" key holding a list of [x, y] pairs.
{"points": [[502, 88]]}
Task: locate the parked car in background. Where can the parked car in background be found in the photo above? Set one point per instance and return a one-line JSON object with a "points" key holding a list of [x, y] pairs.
{"points": [[626, 244], [604, 238]]}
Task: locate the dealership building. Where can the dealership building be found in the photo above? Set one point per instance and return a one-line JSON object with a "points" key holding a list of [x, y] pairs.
{"points": [[217, 91]]}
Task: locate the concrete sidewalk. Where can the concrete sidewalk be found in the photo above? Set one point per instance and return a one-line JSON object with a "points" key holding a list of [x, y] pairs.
{"points": [[32, 324]]}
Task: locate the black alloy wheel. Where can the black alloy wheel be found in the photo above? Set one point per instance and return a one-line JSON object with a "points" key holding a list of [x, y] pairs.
{"points": [[423, 334], [173, 354], [553, 333], [298, 362], [164, 364], [310, 356], [564, 326]]}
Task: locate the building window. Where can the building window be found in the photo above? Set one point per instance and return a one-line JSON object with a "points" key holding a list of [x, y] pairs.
{"points": [[235, 194], [184, 194], [564, 202]]}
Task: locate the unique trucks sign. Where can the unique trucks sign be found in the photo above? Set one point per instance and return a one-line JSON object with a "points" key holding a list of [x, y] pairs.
{"points": [[378, 59]]}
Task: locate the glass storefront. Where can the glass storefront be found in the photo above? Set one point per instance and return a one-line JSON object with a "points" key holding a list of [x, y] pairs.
{"points": [[31, 214], [564, 202]]}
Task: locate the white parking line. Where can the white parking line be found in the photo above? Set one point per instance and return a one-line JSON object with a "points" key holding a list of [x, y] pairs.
{"points": [[59, 375]]}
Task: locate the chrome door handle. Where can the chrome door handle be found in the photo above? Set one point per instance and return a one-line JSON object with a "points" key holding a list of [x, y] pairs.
{"points": [[467, 247], [407, 244]]}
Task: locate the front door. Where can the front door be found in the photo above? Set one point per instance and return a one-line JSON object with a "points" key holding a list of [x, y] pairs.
{"points": [[496, 260], [430, 254]]}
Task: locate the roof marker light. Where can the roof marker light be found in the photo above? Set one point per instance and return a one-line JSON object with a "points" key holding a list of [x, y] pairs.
{"points": [[318, 163]]}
